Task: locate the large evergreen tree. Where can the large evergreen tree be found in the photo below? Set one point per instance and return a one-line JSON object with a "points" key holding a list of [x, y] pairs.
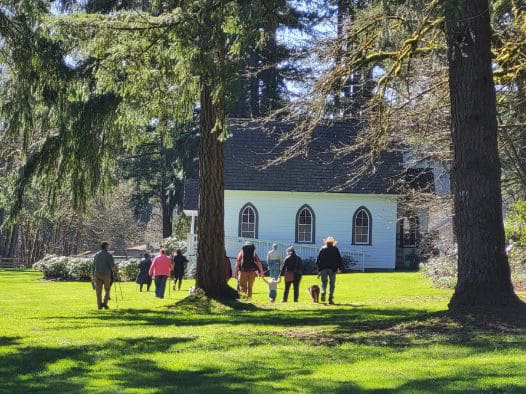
{"points": [[484, 278], [100, 78], [391, 36]]}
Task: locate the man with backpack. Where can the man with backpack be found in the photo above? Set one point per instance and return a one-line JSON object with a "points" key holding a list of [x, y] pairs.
{"points": [[247, 263]]}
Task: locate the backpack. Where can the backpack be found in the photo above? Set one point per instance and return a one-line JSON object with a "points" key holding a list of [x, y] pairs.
{"points": [[248, 263]]}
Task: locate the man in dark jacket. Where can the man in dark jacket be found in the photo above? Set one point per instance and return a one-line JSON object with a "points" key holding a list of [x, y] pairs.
{"points": [[103, 266], [329, 262]]}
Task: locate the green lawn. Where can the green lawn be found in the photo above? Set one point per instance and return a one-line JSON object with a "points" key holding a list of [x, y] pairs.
{"points": [[387, 334]]}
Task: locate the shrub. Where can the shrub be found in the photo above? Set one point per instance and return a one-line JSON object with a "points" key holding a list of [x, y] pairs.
{"points": [[128, 269], [191, 268], [53, 267], [442, 270], [172, 244], [79, 268], [517, 259], [515, 223]]}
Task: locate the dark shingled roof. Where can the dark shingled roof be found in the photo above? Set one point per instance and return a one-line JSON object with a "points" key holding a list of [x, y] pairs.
{"points": [[253, 145], [420, 179]]}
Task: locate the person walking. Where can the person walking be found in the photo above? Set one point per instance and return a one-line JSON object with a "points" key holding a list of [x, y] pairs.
{"points": [[329, 262], [180, 263], [274, 261], [160, 270], [272, 288], [103, 266], [143, 278], [247, 264], [292, 270]]}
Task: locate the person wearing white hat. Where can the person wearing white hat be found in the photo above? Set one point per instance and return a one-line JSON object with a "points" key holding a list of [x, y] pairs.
{"points": [[329, 262]]}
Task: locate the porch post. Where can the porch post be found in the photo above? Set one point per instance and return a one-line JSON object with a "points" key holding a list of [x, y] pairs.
{"points": [[192, 226]]}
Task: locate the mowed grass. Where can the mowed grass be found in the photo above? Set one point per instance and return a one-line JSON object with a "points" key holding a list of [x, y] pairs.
{"points": [[387, 333]]}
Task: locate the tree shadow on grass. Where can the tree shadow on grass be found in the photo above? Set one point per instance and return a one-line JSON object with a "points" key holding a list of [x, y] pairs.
{"points": [[124, 364], [9, 341], [458, 383], [353, 319], [207, 306], [31, 368]]}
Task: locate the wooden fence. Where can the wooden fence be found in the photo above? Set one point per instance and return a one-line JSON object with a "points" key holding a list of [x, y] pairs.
{"points": [[11, 262]]}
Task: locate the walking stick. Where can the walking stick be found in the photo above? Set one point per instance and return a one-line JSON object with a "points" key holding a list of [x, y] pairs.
{"points": [[120, 288], [116, 296]]}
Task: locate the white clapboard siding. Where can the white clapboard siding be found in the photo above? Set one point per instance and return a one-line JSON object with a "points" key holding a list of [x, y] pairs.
{"points": [[333, 214]]}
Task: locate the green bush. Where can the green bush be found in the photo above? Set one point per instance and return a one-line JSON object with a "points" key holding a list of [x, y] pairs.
{"points": [[515, 223], [517, 259], [128, 269], [442, 270]]}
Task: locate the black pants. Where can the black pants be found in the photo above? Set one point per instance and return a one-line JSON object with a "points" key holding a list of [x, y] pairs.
{"points": [[296, 283], [178, 276], [147, 285]]}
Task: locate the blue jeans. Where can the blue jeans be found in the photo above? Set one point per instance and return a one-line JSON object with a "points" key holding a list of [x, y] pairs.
{"points": [[160, 285], [329, 274], [273, 266]]}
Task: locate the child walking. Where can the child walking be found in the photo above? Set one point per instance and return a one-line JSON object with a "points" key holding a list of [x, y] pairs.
{"points": [[272, 287]]}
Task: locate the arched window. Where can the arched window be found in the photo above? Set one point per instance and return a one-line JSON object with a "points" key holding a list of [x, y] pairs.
{"points": [[248, 221], [362, 227], [305, 225]]}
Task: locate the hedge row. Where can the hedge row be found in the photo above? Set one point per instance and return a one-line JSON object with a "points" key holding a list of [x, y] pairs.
{"points": [[443, 269], [79, 268]]}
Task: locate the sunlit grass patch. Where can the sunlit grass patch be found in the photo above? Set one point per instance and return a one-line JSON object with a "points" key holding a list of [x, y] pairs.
{"points": [[388, 332]]}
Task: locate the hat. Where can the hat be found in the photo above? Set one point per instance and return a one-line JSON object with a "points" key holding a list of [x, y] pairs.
{"points": [[330, 240], [248, 243]]}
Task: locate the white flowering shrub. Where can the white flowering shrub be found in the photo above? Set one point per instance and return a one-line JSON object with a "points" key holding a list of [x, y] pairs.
{"points": [[79, 268], [128, 269], [172, 244], [191, 268], [53, 267], [442, 270]]}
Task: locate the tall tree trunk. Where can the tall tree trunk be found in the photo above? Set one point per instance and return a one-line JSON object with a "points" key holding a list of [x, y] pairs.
{"points": [[211, 276], [2, 232], [270, 75], [253, 84], [166, 209], [483, 270]]}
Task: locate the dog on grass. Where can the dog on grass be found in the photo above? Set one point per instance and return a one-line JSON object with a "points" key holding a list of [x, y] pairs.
{"points": [[314, 292]]}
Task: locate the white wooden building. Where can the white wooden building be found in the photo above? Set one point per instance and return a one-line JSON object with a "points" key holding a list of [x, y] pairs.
{"points": [[303, 200]]}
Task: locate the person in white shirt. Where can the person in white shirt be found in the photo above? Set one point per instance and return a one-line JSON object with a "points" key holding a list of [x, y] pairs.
{"points": [[274, 261], [272, 287]]}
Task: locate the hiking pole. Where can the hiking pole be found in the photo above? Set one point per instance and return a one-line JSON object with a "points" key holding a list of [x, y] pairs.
{"points": [[116, 296], [120, 288]]}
